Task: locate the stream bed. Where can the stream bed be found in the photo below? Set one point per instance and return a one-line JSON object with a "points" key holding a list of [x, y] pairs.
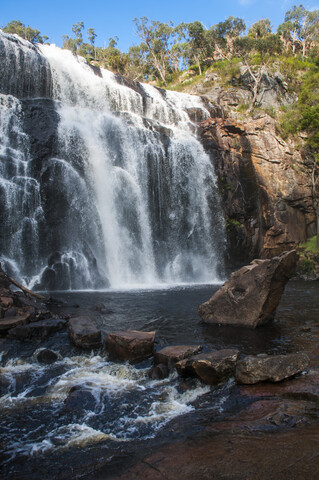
{"points": [[43, 435]]}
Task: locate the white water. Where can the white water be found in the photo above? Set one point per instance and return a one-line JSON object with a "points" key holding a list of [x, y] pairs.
{"points": [[136, 194]]}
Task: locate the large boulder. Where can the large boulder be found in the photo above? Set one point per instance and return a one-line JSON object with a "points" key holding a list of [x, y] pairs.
{"points": [[273, 368], [84, 332], [130, 345], [172, 354], [251, 295], [211, 367]]}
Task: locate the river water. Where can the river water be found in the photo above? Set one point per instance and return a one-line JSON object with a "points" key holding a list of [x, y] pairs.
{"points": [[41, 432]]}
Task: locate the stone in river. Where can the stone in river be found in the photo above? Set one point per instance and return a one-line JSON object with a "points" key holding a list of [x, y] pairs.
{"points": [[251, 295], [84, 332], [46, 356], [40, 329], [172, 354], [212, 367], [273, 368], [130, 345]]}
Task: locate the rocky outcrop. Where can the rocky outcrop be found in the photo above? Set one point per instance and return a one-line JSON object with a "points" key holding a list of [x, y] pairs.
{"points": [[265, 184], [84, 333], [130, 345], [251, 295], [272, 368]]}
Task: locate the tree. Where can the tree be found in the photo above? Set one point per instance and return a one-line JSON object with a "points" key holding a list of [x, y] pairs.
{"points": [[198, 43], [28, 33], [260, 29], [224, 34], [77, 30], [156, 37], [300, 29], [91, 36], [266, 47]]}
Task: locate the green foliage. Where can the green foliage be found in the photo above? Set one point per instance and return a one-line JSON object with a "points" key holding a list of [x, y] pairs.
{"points": [[310, 245], [306, 265], [304, 115], [232, 224], [227, 70], [28, 33]]}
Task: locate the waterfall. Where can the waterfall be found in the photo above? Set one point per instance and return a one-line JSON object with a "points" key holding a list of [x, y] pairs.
{"points": [[103, 181]]}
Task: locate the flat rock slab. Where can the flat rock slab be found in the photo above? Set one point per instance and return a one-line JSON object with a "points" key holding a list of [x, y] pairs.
{"points": [[84, 333], [172, 354], [212, 367], [130, 345], [251, 295], [10, 322], [41, 329], [272, 368]]}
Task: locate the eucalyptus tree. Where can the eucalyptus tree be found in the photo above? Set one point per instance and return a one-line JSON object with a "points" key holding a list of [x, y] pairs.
{"points": [[225, 33], [260, 29], [92, 36], [28, 33], [300, 30], [156, 41]]}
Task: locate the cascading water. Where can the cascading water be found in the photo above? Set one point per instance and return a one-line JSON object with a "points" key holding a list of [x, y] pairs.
{"points": [[103, 183]]}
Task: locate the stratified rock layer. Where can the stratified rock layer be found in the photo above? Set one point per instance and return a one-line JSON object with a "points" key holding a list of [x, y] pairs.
{"points": [[251, 295]]}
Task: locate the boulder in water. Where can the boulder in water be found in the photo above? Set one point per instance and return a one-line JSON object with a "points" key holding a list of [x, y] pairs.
{"points": [[130, 345], [84, 332], [211, 367], [46, 356], [80, 399], [159, 372], [172, 354], [41, 329], [251, 295], [273, 368]]}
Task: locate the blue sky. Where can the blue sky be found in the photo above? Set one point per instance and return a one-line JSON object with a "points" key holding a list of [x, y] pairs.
{"points": [[110, 17]]}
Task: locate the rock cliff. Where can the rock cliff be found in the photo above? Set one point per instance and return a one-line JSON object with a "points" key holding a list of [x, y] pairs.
{"points": [[265, 186]]}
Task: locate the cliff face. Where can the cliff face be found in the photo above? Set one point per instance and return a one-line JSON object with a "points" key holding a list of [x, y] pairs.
{"points": [[265, 186]]}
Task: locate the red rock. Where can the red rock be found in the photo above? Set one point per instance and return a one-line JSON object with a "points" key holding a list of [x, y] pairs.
{"points": [[272, 368], [84, 332], [175, 353], [6, 302], [211, 367], [130, 345], [251, 295]]}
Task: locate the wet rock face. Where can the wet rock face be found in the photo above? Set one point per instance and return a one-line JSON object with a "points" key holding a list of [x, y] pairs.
{"points": [[273, 368], [84, 333], [26, 74], [130, 345], [267, 201], [251, 295]]}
